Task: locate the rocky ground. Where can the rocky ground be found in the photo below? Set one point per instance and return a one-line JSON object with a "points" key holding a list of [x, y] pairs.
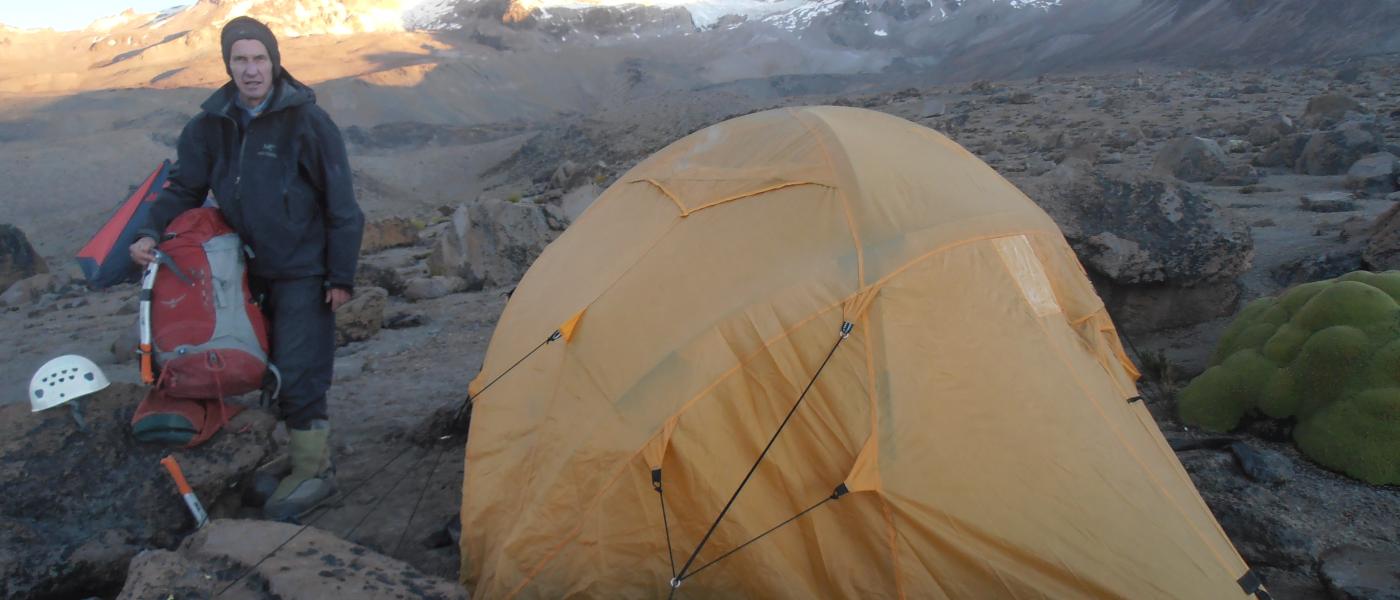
{"points": [[1186, 192]]}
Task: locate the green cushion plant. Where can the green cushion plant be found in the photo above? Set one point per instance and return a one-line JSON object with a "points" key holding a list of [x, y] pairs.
{"points": [[1325, 353]]}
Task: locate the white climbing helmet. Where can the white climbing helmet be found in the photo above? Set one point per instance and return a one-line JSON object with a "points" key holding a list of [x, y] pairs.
{"points": [[63, 379]]}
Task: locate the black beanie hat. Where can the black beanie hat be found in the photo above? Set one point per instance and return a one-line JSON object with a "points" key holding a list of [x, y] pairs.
{"points": [[248, 28]]}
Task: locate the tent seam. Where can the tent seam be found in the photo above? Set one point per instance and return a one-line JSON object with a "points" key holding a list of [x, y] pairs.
{"points": [[840, 192], [622, 467]]}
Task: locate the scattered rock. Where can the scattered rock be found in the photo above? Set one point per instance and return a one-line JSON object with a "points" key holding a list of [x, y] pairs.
{"points": [[1191, 159], [311, 564], [1284, 152], [933, 108], [1374, 174], [26, 291], [1237, 175], [403, 321], [578, 200], [1236, 146], [1161, 254], [388, 233], [1122, 138], [1382, 251], [1270, 130], [427, 288], [1328, 202], [505, 237], [1333, 152], [78, 505], [1262, 465], [1355, 573], [17, 257], [1022, 98], [361, 317], [1316, 268], [1326, 111]]}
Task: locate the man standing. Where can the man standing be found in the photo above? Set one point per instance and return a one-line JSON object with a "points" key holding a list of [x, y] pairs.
{"points": [[278, 170]]}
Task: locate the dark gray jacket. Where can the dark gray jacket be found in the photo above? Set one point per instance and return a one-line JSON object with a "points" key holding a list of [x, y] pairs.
{"points": [[284, 184]]}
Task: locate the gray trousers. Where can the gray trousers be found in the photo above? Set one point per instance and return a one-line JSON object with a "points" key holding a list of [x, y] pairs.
{"points": [[302, 336]]}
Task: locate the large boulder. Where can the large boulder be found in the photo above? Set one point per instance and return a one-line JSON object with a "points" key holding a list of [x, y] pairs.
{"points": [[266, 560], [427, 288], [493, 242], [392, 232], [1270, 129], [1374, 174], [1160, 254], [79, 504], [1334, 152], [1283, 152], [361, 317], [25, 291], [392, 268], [1190, 159], [1382, 252], [1352, 572], [1326, 111], [17, 257]]}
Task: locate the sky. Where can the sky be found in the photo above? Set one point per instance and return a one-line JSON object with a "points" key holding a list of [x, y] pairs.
{"points": [[73, 14]]}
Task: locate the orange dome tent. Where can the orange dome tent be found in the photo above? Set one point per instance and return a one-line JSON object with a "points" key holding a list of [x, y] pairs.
{"points": [[839, 338]]}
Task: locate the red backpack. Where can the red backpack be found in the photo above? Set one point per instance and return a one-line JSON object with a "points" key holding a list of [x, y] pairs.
{"points": [[203, 337]]}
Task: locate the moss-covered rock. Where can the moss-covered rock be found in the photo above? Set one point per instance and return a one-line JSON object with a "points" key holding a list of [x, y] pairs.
{"points": [[1325, 353]]}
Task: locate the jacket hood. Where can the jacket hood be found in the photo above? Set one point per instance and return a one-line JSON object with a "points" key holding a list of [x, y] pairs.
{"points": [[286, 93]]}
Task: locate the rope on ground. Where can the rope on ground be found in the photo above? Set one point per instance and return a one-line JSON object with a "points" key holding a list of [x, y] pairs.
{"points": [[846, 328], [423, 492], [380, 500], [461, 411]]}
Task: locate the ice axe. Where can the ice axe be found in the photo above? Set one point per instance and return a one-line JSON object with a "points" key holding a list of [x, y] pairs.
{"points": [[192, 501]]}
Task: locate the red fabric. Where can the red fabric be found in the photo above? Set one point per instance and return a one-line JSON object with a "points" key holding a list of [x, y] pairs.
{"points": [[208, 416], [183, 314]]}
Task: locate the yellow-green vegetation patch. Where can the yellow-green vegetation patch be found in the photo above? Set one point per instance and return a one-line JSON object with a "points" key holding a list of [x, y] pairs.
{"points": [[1326, 353]]}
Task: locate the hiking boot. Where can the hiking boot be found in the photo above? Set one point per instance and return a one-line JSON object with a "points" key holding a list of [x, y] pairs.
{"points": [[258, 488], [312, 480]]}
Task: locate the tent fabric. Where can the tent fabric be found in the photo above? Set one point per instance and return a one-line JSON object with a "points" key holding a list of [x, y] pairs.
{"points": [[977, 413], [104, 259]]}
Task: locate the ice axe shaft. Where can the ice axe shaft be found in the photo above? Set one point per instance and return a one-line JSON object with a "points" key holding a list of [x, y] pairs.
{"points": [[196, 509]]}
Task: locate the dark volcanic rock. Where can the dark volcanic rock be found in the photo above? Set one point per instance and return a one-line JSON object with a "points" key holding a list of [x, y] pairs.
{"points": [[1374, 174], [1356, 573], [311, 564], [1382, 251], [1334, 152], [388, 233], [17, 258], [1161, 254], [1191, 159], [1284, 152], [1326, 111], [78, 505], [1328, 202], [361, 317]]}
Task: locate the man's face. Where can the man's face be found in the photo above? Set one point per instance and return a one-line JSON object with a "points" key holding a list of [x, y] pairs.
{"points": [[251, 67]]}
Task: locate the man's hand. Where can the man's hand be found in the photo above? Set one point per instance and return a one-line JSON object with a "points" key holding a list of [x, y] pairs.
{"points": [[143, 251], [336, 297]]}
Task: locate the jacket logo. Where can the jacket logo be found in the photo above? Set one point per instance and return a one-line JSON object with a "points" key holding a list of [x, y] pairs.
{"points": [[173, 302], [268, 150]]}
